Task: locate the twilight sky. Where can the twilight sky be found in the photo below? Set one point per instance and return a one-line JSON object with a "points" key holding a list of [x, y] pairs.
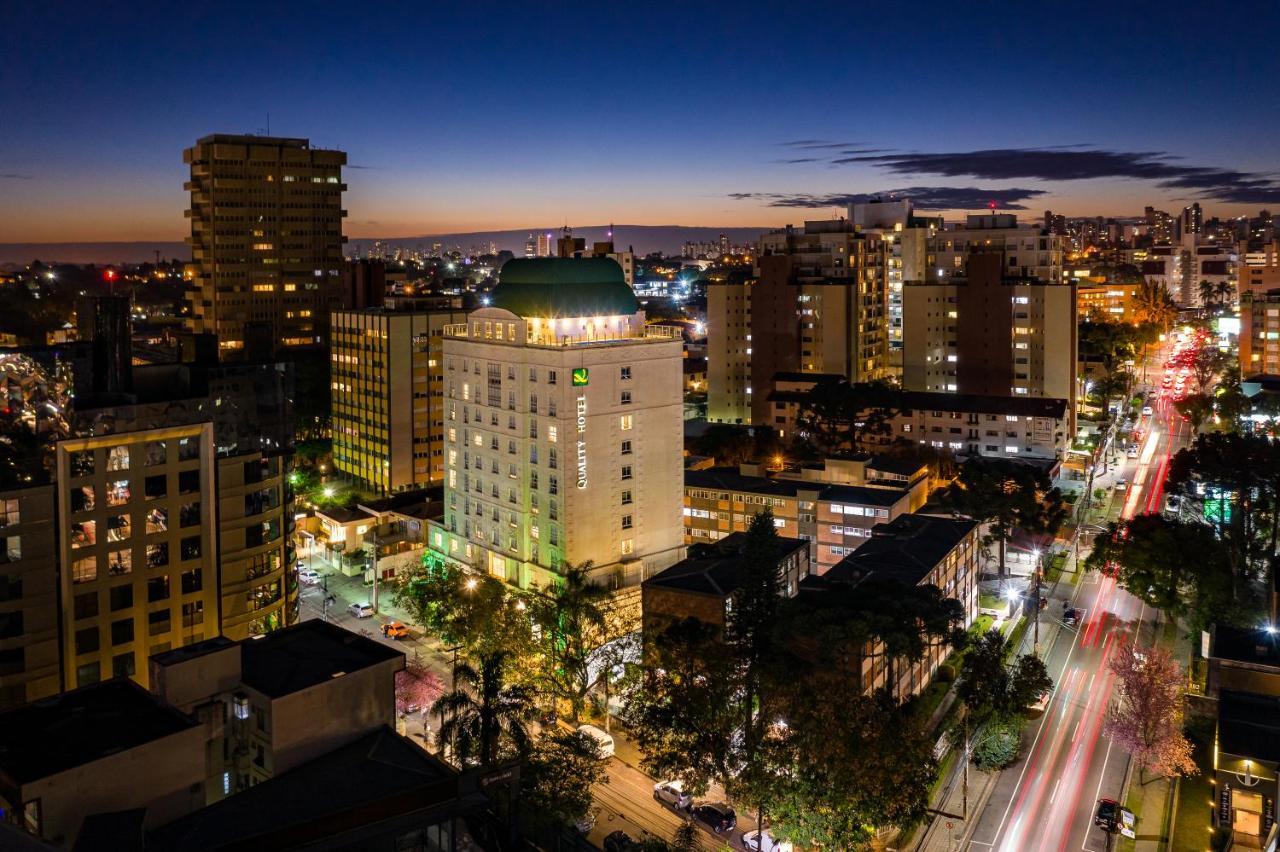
{"points": [[471, 116]]}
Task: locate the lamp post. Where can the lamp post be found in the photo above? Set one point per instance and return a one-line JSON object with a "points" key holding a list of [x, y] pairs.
{"points": [[1035, 579]]}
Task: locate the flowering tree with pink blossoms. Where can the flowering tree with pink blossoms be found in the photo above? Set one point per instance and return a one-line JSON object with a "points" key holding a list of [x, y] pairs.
{"points": [[1147, 716], [417, 687]]}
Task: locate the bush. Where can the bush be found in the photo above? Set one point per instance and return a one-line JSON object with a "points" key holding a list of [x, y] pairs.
{"points": [[997, 746], [946, 673]]}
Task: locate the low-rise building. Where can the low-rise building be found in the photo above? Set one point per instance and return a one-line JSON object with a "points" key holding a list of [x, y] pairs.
{"points": [[703, 584], [1246, 760], [835, 519]]}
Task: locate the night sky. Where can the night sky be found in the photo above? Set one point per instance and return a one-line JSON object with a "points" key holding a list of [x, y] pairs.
{"points": [[469, 116]]}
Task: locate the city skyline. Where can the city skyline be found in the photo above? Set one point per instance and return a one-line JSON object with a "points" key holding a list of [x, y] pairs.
{"points": [[498, 119]]}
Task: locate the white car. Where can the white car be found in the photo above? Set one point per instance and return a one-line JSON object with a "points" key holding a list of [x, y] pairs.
{"points": [[361, 610], [1121, 484], [1147, 411], [308, 577], [757, 841], [673, 794]]}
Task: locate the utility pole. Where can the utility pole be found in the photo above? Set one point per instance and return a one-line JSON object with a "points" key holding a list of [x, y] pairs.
{"points": [[375, 568]]}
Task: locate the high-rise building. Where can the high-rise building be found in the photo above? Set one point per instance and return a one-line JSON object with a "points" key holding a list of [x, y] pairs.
{"points": [[364, 283], [266, 239], [387, 391], [546, 244], [1192, 218], [1160, 226], [531, 246], [1259, 331], [988, 311], [888, 219], [151, 514], [563, 430], [729, 350]]}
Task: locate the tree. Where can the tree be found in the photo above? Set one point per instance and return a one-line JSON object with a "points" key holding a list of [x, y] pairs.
{"points": [[755, 613], [1196, 407], [991, 690], [1153, 303], [837, 416], [998, 745], [907, 619], [1209, 361], [572, 615], [728, 445], [417, 687], [683, 710], [1147, 717], [474, 611], [1007, 496], [556, 781], [486, 717]]}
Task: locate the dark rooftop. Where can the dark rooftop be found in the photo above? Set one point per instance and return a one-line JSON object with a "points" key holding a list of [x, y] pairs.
{"points": [[1249, 725], [1246, 645], [813, 378], [191, 652], [75, 728], [306, 654], [345, 514], [906, 549], [969, 403], [731, 479], [378, 777], [715, 569]]}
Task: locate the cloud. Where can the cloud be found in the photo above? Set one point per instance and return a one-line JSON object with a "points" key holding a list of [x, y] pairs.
{"points": [[818, 144], [922, 198], [15, 176], [1070, 163], [353, 166]]}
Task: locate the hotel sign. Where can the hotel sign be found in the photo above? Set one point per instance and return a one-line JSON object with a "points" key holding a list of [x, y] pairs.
{"points": [[582, 432]]}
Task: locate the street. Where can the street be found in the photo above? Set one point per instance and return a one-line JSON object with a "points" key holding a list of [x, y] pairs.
{"points": [[1047, 799]]}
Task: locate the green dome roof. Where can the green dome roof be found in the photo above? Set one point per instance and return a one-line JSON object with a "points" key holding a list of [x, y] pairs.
{"points": [[563, 287]]}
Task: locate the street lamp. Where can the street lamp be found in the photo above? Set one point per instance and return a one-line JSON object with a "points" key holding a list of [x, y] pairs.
{"points": [[329, 492]]}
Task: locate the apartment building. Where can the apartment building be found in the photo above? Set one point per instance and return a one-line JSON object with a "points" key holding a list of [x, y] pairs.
{"points": [[729, 351], [387, 384], [266, 241], [155, 515], [834, 518], [1259, 271], [1260, 332], [912, 550], [1107, 291], [989, 325], [557, 396]]}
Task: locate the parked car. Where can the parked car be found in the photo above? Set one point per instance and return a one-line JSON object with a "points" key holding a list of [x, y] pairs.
{"points": [[672, 793], [1070, 616], [619, 841], [757, 841], [602, 739], [717, 816], [1107, 816], [1147, 411], [309, 578], [1172, 503], [394, 630], [1121, 484], [587, 822], [1132, 452], [361, 610]]}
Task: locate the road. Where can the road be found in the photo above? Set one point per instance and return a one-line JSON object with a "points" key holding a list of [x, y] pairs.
{"points": [[1046, 801]]}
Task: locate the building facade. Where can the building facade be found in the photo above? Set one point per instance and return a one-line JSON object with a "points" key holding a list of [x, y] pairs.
{"points": [[266, 241], [556, 398], [729, 351], [387, 383], [1260, 332]]}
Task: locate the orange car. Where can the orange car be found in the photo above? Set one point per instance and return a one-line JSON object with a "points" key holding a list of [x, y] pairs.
{"points": [[394, 630]]}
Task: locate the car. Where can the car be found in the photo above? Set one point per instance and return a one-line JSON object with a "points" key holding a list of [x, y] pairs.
{"points": [[361, 610], [758, 841], [1070, 616], [619, 841], [308, 577], [1147, 411], [1132, 452], [673, 794], [1172, 503], [716, 816], [603, 740], [1107, 815], [395, 630], [299, 565], [1121, 484]]}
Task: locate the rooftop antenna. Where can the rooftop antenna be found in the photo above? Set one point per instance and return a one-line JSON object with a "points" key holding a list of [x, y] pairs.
{"points": [[268, 124]]}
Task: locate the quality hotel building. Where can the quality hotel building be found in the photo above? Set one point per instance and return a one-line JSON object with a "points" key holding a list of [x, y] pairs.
{"points": [[557, 397]]}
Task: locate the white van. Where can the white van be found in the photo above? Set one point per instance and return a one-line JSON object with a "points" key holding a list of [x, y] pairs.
{"points": [[602, 739]]}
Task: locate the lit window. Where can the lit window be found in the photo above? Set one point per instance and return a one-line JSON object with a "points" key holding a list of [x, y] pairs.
{"points": [[628, 546], [624, 422], [553, 434]]}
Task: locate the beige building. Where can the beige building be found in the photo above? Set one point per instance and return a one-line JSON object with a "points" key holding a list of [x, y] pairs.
{"points": [[1260, 333], [29, 643], [990, 314], [387, 382], [729, 351], [266, 240], [563, 429]]}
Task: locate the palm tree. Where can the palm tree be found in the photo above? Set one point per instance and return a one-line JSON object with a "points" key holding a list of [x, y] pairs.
{"points": [[1206, 293], [486, 716], [1153, 304], [573, 616], [1223, 291]]}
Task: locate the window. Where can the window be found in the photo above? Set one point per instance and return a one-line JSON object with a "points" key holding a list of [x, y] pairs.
{"points": [[188, 481], [157, 589], [11, 548], [626, 497], [157, 623], [624, 422], [81, 463], [87, 640], [628, 546], [122, 665], [86, 605], [122, 631], [551, 377], [121, 597], [626, 522], [155, 487], [119, 563], [118, 458], [84, 570], [82, 499], [118, 492], [626, 397], [553, 433], [156, 453], [625, 374], [157, 521], [119, 528], [84, 534], [626, 471], [189, 515], [88, 673], [626, 448], [192, 581]]}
